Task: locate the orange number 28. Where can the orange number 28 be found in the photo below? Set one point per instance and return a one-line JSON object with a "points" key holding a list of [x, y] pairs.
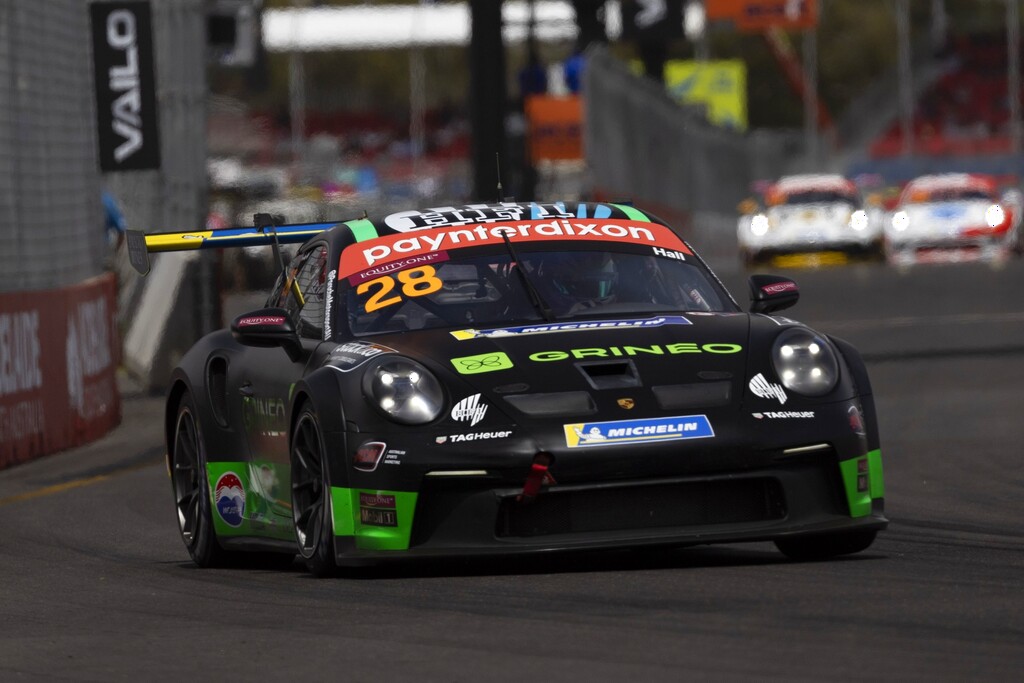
{"points": [[415, 282]]}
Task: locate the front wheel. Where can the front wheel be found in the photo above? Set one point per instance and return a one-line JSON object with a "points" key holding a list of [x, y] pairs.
{"points": [[311, 496], [824, 546]]}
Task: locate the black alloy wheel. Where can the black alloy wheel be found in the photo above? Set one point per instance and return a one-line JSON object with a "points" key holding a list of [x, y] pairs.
{"points": [[191, 489], [311, 491]]}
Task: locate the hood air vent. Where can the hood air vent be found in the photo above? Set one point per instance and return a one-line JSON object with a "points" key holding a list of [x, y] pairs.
{"points": [[555, 404], [613, 374]]}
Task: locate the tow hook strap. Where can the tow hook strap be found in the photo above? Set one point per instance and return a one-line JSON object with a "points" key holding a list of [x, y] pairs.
{"points": [[538, 476]]}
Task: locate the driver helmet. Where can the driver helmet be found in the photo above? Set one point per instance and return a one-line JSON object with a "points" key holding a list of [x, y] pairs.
{"points": [[583, 276]]}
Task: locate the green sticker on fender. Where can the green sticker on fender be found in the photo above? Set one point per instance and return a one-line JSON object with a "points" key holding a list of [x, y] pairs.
{"points": [[484, 362]]}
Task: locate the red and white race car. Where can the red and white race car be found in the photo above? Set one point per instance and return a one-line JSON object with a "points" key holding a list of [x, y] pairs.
{"points": [[810, 215], [951, 217]]}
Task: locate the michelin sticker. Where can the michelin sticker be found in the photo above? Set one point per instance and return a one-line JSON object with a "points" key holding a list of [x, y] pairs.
{"points": [[586, 434], [568, 327]]}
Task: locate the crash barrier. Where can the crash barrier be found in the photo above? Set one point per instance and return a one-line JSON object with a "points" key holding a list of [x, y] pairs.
{"points": [[58, 360], [641, 145]]}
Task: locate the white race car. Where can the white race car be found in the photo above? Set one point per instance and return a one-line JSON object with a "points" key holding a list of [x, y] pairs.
{"points": [[821, 217], [950, 217]]}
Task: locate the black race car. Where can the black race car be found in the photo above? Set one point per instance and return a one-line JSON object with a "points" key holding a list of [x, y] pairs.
{"points": [[513, 378]]}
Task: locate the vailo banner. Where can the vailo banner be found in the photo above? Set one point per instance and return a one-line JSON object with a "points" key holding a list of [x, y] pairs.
{"points": [[59, 354]]}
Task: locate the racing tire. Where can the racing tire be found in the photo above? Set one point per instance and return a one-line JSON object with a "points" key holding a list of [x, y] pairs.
{"points": [[192, 489], [311, 496], [825, 546]]}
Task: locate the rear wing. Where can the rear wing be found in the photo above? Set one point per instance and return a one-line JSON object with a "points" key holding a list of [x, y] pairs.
{"points": [[140, 245]]}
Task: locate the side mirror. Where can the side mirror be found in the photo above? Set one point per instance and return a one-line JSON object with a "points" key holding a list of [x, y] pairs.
{"points": [[770, 293], [268, 327]]}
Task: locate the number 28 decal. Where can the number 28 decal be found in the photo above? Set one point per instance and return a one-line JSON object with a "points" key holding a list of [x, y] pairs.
{"points": [[415, 282]]}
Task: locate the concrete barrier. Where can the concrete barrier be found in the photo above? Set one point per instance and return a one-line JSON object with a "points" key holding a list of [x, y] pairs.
{"points": [[59, 354]]}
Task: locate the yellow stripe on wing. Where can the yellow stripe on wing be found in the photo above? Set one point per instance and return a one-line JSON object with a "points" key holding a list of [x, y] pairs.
{"points": [[177, 241]]}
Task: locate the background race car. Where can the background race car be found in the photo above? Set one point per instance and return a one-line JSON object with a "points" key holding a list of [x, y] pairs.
{"points": [[952, 217], [509, 379], [823, 216]]}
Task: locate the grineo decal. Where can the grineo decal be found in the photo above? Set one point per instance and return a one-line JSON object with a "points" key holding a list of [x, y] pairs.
{"points": [[229, 498], [761, 387], [470, 409], [619, 351], [587, 434]]}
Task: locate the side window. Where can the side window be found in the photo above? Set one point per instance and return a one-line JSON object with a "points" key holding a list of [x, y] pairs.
{"points": [[312, 281], [301, 291]]}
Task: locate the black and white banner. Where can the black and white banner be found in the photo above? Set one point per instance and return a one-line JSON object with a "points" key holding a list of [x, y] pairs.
{"points": [[122, 38]]}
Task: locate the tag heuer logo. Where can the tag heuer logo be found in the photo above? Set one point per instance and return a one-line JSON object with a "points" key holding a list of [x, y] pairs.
{"points": [[626, 403]]}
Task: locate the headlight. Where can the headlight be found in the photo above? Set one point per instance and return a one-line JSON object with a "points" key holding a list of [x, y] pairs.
{"points": [[994, 216], [859, 220], [900, 221], [805, 362], [759, 224], [404, 390]]}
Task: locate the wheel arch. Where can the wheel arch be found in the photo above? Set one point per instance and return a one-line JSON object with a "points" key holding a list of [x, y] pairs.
{"points": [[862, 385], [322, 390]]}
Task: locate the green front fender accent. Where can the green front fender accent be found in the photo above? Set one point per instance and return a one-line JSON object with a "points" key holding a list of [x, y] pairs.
{"points": [[863, 481], [379, 520]]}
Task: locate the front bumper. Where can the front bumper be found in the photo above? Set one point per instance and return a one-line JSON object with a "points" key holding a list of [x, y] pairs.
{"points": [[808, 492]]}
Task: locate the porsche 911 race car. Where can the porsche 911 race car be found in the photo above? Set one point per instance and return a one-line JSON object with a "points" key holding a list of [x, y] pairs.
{"points": [[512, 378], [813, 218], [950, 217]]}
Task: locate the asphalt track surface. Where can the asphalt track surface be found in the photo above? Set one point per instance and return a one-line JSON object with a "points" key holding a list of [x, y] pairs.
{"points": [[96, 585]]}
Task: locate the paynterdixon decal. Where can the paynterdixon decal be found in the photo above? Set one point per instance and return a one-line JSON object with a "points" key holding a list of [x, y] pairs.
{"points": [[587, 434], [619, 351], [570, 327], [761, 387], [360, 257], [483, 362]]}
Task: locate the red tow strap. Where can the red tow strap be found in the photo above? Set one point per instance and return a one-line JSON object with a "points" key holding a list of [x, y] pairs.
{"points": [[537, 477]]}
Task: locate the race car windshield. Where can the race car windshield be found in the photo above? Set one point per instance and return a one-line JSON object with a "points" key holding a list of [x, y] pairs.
{"points": [[480, 287], [817, 197], [952, 194]]}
